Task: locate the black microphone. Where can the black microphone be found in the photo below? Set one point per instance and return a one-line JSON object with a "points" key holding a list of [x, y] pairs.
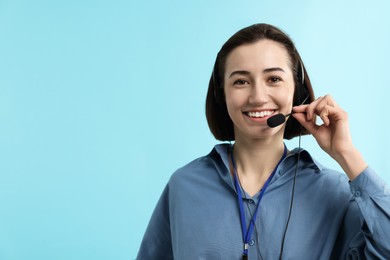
{"points": [[277, 120]]}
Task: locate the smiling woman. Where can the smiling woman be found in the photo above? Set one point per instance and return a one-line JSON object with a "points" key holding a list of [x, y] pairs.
{"points": [[256, 87], [255, 198]]}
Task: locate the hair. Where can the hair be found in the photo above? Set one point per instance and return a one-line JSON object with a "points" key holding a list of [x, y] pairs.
{"points": [[217, 115]]}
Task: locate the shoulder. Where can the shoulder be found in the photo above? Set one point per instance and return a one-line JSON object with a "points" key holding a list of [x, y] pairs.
{"points": [[201, 178], [324, 179], [335, 178], [334, 183], [202, 167], [312, 165], [317, 184]]}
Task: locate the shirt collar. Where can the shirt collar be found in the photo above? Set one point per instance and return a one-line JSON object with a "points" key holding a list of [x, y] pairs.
{"points": [[307, 157], [223, 151]]}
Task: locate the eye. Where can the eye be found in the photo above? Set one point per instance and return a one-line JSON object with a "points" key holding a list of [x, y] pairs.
{"points": [[274, 79], [240, 82]]}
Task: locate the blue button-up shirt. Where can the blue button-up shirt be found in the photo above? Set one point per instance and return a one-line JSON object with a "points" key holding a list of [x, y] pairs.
{"points": [[197, 216]]}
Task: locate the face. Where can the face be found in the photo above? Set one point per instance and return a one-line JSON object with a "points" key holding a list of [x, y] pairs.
{"points": [[258, 83]]}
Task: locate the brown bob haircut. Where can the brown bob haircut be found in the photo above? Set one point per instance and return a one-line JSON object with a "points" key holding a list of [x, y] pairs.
{"points": [[218, 118]]}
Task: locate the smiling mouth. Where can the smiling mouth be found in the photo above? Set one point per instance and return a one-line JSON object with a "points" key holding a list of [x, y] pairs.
{"points": [[260, 114]]}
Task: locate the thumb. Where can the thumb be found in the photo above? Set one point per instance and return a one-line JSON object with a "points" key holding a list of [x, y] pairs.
{"points": [[309, 125]]}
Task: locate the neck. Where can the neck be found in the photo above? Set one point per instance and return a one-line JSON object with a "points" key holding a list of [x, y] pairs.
{"points": [[255, 161]]}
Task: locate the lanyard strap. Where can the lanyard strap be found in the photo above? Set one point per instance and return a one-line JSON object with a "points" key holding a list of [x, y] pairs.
{"points": [[247, 233]]}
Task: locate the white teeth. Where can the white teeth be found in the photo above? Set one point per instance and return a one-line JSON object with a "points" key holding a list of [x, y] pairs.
{"points": [[260, 114]]}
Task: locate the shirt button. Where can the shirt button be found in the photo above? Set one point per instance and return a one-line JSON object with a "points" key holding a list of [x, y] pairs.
{"points": [[358, 193], [251, 201], [251, 242]]}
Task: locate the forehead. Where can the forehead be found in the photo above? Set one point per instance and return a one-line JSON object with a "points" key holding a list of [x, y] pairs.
{"points": [[258, 55]]}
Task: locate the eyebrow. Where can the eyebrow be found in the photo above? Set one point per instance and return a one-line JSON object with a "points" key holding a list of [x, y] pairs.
{"points": [[273, 69], [244, 72], [239, 72]]}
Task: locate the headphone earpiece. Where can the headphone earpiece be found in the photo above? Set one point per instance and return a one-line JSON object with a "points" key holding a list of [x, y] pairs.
{"points": [[301, 93]]}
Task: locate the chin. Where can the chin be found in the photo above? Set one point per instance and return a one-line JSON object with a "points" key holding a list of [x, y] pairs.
{"points": [[264, 134]]}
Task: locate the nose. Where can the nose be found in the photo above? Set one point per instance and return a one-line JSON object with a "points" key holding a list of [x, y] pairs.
{"points": [[258, 95]]}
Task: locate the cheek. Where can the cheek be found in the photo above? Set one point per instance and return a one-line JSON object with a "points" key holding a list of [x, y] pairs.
{"points": [[285, 96], [230, 105], [234, 102], [230, 98], [289, 96]]}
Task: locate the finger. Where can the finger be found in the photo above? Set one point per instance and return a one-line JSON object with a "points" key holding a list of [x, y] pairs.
{"points": [[329, 100], [310, 110], [316, 107], [329, 114], [324, 102], [300, 108], [308, 124], [324, 115]]}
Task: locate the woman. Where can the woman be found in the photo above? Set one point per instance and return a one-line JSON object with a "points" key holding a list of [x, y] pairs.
{"points": [[255, 198]]}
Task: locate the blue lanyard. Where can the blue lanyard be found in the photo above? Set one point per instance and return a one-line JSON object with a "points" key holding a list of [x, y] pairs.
{"points": [[247, 233]]}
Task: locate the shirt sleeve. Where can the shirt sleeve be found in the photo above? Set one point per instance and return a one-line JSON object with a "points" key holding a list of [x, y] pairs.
{"points": [[367, 220], [156, 243]]}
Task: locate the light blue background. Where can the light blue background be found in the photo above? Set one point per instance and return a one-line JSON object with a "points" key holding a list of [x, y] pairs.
{"points": [[100, 101]]}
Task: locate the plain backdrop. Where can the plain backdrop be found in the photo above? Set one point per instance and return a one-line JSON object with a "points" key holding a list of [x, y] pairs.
{"points": [[101, 101]]}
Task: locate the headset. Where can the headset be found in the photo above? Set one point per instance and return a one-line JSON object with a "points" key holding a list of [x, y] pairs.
{"points": [[302, 93]]}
